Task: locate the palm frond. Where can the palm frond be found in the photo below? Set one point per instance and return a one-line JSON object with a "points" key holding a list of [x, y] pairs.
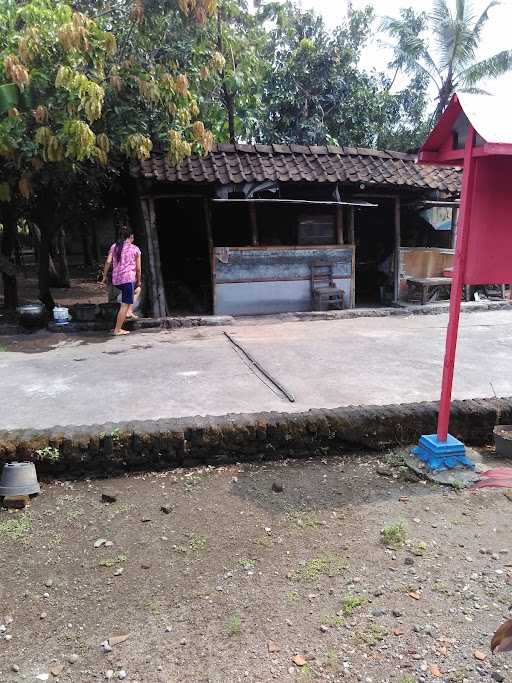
{"points": [[423, 69], [484, 18], [429, 60], [442, 25], [472, 36], [492, 67], [474, 91]]}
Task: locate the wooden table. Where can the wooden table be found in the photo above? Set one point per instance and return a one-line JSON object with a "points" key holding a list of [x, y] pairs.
{"points": [[429, 287]]}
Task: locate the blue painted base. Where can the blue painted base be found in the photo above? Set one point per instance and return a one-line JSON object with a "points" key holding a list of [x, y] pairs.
{"points": [[442, 455]]}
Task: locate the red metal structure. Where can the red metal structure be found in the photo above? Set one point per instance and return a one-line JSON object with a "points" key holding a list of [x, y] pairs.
{"points": [[475, 132]]}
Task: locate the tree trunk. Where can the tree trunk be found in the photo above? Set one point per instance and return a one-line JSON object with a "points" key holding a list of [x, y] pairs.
{"points": [[229, 101], [9, 239], [43, 233], [61, 260], [45, 294], [227, 97], [87, 247]]}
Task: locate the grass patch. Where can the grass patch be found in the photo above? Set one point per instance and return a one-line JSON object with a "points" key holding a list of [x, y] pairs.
{"points": [[305, 672], [48, 454], [394, 535], [407, 678], [373, 635], [336, 621], [265, 541], [441, 587], [112, 561], [319, 566], [73, 514], [304, 520], [247, 564], [234, 624], [418, 549], [352, 602], [395, 459], [332, 661], [193, 482], [197, 543], [115, 435], [292, 596], [15, 527]]}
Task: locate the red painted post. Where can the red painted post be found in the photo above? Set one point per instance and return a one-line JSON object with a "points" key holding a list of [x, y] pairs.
{"points": [[457, 285]]}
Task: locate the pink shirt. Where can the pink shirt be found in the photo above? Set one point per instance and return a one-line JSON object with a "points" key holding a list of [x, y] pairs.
{"points": [[124, 270]]}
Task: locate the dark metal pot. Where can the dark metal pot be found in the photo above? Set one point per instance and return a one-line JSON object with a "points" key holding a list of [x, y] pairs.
{"points": [[32, 315], [503, 440]]}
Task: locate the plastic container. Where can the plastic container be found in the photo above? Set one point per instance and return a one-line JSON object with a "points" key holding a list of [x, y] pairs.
{"points": [[61, 315]]}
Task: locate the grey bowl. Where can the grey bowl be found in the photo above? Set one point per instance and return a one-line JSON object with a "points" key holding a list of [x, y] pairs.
{"points": [[19, 479], [503, 440]]}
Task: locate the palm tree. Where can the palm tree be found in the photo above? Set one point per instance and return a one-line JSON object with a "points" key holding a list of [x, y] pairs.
{"points": [[450, 63]]}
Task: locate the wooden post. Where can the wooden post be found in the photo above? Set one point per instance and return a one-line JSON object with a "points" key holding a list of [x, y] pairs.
{"points": [[211, 254], [352, 241], [461, 249], [454, 226], [351, 228], [254, 223], [339, 225], [397, 251], [157, 292]]}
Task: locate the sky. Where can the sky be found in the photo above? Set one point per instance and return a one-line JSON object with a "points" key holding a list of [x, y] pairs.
{"points": [[496, 37]]}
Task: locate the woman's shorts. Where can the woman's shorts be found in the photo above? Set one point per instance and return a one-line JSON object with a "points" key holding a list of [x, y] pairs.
{"points": [[127, 289]]}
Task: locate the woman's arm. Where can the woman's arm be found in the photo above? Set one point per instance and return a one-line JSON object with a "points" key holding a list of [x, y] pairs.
{"points": [[106, 268], [138, 270]]}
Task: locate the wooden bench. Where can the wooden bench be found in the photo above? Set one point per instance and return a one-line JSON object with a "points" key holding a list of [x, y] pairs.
{"points": [[429, 288]]}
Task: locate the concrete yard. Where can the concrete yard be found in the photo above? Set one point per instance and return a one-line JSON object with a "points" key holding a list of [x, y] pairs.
{"points": [[55, 379]]}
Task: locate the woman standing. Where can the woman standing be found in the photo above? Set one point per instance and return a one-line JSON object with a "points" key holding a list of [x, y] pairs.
{"points": [[124, 257]]}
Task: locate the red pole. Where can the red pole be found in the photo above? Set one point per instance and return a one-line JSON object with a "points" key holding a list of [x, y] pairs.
{"points": [[461, 248]]}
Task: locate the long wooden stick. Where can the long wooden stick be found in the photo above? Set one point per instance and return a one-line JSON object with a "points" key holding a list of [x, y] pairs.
{"points": [[264, 372]]}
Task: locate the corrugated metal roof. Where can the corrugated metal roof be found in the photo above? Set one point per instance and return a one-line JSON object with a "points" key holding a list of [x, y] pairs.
{"points": [[490, 116], [232, 164]]}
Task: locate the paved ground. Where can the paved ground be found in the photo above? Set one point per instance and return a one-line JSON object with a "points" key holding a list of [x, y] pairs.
{"points": [[50, 379], [241, 583]]}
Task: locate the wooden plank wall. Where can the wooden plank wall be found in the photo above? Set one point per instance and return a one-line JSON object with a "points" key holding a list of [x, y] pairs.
{"points": [[251, 281]]}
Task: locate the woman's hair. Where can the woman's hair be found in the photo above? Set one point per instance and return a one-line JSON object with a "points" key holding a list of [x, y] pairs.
{"points": [[122, 236]]}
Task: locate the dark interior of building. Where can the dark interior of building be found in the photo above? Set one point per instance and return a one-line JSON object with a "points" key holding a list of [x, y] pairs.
{"points": [[185, 255], [375, 248]]}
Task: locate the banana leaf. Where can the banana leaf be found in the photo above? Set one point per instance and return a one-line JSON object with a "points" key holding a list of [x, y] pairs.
{"points": [[9, 96]]}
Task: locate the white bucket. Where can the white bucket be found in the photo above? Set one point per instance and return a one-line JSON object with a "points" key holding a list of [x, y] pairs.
{"points": [[61, 315]]}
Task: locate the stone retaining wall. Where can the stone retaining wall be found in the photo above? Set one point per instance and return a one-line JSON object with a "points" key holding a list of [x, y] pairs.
{"points": [[114, 448]]}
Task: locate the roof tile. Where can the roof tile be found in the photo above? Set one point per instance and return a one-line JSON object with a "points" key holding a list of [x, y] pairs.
{"points": [[298, 163]]}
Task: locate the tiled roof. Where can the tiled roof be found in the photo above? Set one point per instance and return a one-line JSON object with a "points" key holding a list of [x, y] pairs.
{"points": [[227, 164]]}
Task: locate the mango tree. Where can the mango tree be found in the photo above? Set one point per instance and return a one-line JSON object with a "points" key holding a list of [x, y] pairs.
{"points": [[76, 101]]}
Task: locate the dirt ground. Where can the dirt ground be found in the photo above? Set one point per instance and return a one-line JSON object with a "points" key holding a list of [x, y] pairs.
{"points": [[235, 581], [84, 289]]}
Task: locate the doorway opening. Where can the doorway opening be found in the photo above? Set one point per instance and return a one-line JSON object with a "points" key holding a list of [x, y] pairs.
{"points": [[185, 255], [374, 231]]}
